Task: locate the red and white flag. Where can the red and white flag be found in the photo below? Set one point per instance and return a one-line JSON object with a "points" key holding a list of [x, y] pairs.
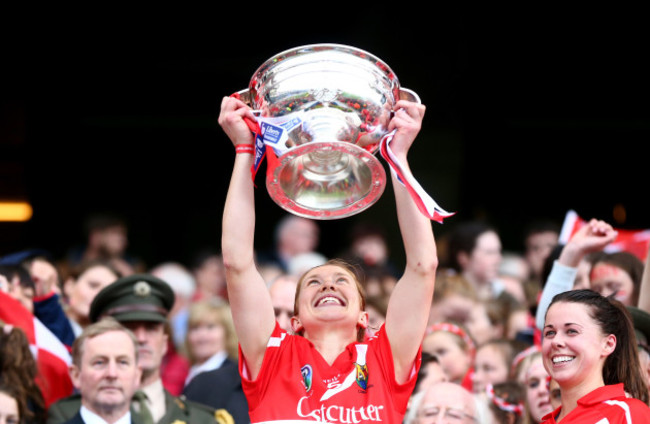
{"points": [[636, 242], [51, 355]]}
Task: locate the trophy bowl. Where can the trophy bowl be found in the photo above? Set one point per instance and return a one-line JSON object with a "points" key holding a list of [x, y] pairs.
{"points": [[342, 100]]}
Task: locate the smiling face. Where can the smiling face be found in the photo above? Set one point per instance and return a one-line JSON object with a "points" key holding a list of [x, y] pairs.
{"points": [[574, 347], [328, 295]]}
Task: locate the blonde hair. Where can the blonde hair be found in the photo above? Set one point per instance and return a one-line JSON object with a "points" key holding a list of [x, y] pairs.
{"points": [[215, 311]]}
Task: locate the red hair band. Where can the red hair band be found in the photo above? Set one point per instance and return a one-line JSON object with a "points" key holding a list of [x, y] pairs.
{"points": [[502, 404]]}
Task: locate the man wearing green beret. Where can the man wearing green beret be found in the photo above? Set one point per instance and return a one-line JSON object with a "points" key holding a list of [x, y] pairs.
{"points": [[141, 302]]}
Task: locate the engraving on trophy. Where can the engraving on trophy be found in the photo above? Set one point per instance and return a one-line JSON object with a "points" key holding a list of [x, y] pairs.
{"points": [[325, 95]]}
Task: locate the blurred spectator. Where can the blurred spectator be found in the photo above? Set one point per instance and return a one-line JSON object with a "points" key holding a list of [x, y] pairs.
{"points": [[506, 402], [35, 283], [81, 287], [376, 307], [183, 284], [106, 239], [443, 402], [488, 319], [212, 348], [18, 376], [513, 275], [617, 274], [453, 299], [211, 339], [430, 373], [283, 294], [369, 247], [474, 252], [378, 281], [303, 262], [493, 362], [294, 235], [532, 375], [455, 350], [17, 283], [12, 406], [540, 237], [44, 273], [207, 268]]}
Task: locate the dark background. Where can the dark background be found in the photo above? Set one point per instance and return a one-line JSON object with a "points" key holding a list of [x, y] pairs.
{"points": [[530, 113]]}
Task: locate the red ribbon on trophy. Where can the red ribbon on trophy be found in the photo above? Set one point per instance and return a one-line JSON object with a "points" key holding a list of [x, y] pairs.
{"points": [[424, 202]]}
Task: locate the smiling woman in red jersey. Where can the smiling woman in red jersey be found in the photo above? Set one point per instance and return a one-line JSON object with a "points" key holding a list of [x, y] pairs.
{"points": [[326, 369], [589, 348]]}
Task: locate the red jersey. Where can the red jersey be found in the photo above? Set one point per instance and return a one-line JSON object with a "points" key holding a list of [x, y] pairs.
{"points": [[605, 405], [296, 385]]}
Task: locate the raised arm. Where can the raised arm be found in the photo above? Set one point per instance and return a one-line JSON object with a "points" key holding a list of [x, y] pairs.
{"points": [[247, 293], [408, 308], [590, 238]]}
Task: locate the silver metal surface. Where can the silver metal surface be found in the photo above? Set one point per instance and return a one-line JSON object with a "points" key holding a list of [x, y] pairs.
{"points": [[344, 97]]}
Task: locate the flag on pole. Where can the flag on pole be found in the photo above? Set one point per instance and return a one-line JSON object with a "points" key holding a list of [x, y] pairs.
{"points": [[636, 242]]}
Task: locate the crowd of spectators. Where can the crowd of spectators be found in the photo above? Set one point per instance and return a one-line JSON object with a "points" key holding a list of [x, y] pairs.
{"points": [[481, 356]]}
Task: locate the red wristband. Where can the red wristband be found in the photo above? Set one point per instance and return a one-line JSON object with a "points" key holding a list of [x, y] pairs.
{"points": [[244, 148]]}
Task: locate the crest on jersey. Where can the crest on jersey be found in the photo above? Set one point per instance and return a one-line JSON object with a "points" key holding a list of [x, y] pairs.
{"points": [[307, 375], [362, 375]]}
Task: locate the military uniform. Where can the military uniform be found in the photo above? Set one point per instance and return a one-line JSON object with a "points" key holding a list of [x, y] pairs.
{"points": [[140, 297], [178, 411]]}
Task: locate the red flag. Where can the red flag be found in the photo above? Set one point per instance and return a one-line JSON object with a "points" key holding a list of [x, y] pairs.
{"points": [[52, 357], [636, 242]]}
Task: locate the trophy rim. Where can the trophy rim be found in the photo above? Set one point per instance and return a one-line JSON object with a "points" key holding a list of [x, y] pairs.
{"points": [[295, 51]]}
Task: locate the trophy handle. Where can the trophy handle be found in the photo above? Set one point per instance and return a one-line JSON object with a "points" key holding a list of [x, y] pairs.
{"points": [[410, 95], [245, 96]]}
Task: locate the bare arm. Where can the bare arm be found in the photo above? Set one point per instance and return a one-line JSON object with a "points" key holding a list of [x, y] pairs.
{"points": [[247, 293], [408, 308]]}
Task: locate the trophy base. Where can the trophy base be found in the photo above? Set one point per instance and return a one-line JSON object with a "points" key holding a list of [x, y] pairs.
{"points": [[326, 180]]}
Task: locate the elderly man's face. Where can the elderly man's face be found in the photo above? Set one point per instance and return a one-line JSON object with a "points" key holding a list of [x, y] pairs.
{"points": [[108, 374], [447, 403]]}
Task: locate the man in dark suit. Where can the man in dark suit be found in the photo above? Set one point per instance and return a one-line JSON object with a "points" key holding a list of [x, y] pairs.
{"points": [[220, 389], [105, 372], [141, 303]]}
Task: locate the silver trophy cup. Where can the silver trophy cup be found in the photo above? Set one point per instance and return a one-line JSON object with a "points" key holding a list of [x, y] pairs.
{"points": [[342, 99]]}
